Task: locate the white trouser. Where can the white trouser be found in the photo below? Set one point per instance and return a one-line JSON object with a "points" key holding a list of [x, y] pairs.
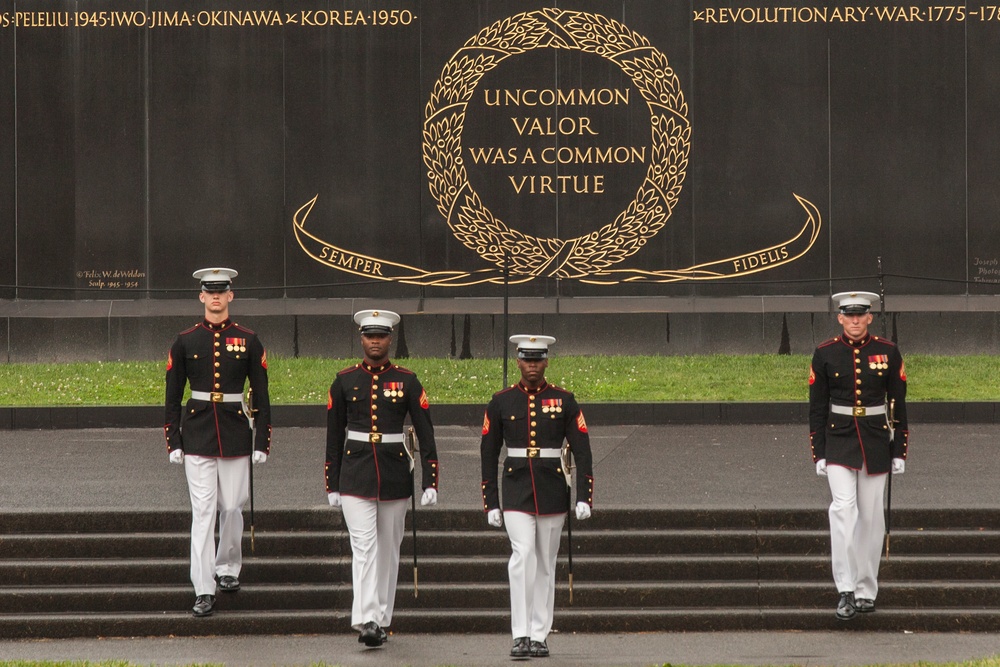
{"points": [[376, 529], [534, 542], [857, 525], [216, 485]]}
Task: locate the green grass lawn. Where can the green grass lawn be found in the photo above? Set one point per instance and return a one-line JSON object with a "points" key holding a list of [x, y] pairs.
{"points": [[598, 379]]}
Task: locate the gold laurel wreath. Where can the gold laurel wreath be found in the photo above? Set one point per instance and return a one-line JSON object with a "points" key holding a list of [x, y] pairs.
{"points": [[474, 225]]}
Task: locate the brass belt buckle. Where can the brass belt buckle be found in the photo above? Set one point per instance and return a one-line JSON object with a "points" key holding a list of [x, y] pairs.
{"points": [[533, 452], [217, 397], [374, 438], [859, 411]]}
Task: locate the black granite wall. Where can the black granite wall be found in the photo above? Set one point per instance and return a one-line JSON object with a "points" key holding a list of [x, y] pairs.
{"points": [[141, 141]]}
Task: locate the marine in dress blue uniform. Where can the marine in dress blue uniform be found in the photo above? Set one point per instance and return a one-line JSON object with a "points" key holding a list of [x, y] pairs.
{"points": [[533, 418], [212, 436], [369, 469], [858, 434]]}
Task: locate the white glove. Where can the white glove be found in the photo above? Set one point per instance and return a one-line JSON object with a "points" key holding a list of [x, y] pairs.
{"points": [[260, 457], [898, 466], [334, 499], [430, 496], [177, 456], [494, 518], [582, 511], [821, 467]]}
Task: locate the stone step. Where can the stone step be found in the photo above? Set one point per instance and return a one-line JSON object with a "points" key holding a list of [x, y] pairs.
{"points": [[609, 568], [677, 619], [322, 519], [494, 542], [734, 595]]}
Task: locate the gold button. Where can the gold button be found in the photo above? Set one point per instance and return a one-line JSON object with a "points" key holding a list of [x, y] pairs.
{"points": [[374, 417], [217, 334], [534, 423], [857, 370], [532, 435], [533, 413], [217, 375], [217, 364], [374, 377], [217, 353], [216, 385], [858, 392]]}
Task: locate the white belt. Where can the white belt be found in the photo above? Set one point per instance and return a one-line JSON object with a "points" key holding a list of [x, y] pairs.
{"points": [[361, 436], [533, 453], [858, 410], [216, 397]]}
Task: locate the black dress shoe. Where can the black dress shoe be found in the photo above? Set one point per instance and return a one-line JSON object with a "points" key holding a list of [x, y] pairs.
{"points": [[845, 607], [383, 635], [521, 648], [539, 649], [371, 635], [864, 605], [204, 605], [229, 583]]}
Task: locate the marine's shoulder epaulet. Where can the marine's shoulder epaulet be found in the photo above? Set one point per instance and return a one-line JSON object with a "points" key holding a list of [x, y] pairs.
{"points": [[187, 331], [884, 341], [349, 369], [403, 369], [244, 329]]}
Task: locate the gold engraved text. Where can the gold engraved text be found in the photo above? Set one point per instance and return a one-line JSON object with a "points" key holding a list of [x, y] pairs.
{"points": [[547, 97], [357, 263]]}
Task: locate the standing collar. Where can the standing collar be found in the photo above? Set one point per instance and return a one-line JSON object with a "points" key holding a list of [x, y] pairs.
{"points": [[375, 369], [540, 388], [211, 326], [855, 343]]}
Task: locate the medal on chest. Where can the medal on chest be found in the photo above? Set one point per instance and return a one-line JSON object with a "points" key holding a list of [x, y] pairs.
{"points": [[552, 405]]}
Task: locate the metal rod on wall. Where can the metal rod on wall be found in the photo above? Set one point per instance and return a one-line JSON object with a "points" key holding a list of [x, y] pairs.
{"points": [[506, 314], [881, 297]]}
